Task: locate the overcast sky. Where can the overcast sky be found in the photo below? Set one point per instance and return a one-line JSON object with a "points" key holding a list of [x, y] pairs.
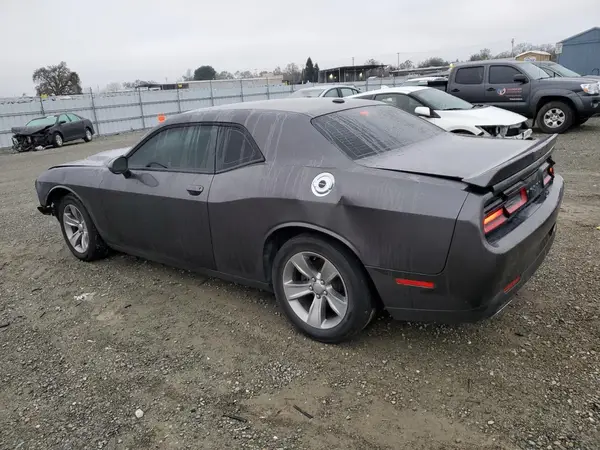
{"points": [[124, 40]]}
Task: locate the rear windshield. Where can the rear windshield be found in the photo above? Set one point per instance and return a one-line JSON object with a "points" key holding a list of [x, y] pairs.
{"points": [[368, 131]]}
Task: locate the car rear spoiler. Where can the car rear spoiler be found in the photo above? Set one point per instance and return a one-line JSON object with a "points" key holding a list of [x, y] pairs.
{"points": [[510, 171]]}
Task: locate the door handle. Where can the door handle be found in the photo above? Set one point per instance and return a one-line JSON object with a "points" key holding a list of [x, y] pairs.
{"points": [[195, 190], [491, 89], [455, 90]]}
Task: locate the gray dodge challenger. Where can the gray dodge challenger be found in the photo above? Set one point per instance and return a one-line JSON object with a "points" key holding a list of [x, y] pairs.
{"points": [[339, 206]]}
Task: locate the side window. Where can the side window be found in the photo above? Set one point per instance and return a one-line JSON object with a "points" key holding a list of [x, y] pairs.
{"points": [[73, 117], [63, 117], [469, 75], [404, 102], [502, 74], [235, 149], [332, 93], [184, 148], [387, 98], [348, 91]]}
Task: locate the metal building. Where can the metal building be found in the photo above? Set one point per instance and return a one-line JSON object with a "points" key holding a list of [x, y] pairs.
{"points": [[581, 52]]}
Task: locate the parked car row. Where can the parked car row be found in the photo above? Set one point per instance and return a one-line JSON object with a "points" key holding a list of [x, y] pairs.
{"points": [[348, 205]]}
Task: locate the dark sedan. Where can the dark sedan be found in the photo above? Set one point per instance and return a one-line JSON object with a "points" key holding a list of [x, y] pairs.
{"points": [[339, 206], [51, 130]]}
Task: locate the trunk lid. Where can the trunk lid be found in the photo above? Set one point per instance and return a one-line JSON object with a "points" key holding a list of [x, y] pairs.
{"points": [[480, 162]]}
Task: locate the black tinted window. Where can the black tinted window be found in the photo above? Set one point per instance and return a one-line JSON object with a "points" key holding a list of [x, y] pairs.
{"points": [[186, 148], [469, 75], [235, 149], [363, 132], [503, 74]]}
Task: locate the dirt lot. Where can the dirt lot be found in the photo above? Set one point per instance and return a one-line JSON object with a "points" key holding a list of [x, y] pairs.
{"points": [[83, 346]]}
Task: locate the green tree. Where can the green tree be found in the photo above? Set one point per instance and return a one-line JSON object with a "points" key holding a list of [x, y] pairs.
{"points": [[308, 71], [56, 80], [316, 71], [436, 61], [482, 55], [205, 73]]}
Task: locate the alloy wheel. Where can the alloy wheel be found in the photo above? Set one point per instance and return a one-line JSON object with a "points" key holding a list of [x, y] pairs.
{"points": [[315, 290], [554, 118], [76, 229]]}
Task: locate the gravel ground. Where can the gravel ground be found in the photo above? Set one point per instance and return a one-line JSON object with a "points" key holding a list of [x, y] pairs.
{"points": [[125, 353]]}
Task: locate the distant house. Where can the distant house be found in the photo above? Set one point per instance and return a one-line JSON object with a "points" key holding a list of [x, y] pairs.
{"points": [[533, 55], [581, 52]]}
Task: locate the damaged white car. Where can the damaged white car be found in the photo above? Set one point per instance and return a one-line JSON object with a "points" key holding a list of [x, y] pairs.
{"points": [[452, 113]]}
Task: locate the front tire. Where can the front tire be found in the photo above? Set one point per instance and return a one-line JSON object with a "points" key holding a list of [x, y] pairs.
{"points": [[88, 135], [322, 288], [555, 117], [79, 231], [57, 140]]}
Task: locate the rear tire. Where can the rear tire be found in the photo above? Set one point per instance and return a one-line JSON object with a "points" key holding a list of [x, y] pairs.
{"points": [[331, 304], [57, 140], [79, 231], [88, 135], [555, 117]]}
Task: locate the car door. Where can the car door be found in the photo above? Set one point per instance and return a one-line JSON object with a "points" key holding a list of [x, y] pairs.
{"points": [[334, 92], [66, 128], [159, 211], [468, 84], [78, 125], [503, 91]]}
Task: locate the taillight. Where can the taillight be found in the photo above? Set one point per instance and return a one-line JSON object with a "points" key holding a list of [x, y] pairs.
{"points": [[549, 175], [498, 216], [493, 220]]}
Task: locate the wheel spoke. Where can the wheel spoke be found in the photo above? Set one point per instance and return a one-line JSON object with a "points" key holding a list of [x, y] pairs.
{"points": [[75, 238], [294, 291], [316, 313], [328, 272], [300, 263], [85, 240], [337, 302], [70, 220]]}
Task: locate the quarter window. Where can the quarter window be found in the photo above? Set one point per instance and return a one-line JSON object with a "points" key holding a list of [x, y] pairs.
{"points": [[503, 74], [235, 149], [186, 148], [469, 75]]}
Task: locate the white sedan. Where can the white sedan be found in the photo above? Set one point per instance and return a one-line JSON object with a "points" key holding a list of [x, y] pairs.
{"points": [[453, 114], [339, 90]]}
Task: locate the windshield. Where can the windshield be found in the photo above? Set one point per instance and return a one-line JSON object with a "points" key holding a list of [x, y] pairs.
{"points": [[368, 131], [533, 71], [563, 71], [308, 93], [440, 100], [42, 121]]}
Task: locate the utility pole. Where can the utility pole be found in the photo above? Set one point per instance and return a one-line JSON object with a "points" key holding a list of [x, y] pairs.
{"points": [[398, 66], [512, 47], [353, 61]]}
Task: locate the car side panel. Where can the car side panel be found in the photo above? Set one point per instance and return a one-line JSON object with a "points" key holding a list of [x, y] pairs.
{"points": [[394, 221]]}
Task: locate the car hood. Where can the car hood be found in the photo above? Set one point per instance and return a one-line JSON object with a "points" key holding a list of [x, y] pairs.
{"points": [[99, 159], [486, 116], [591, 77], [474, 160], [27, 131]]}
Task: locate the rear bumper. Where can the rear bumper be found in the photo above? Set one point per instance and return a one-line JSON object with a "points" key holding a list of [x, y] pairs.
{"points": [[479, 278]]}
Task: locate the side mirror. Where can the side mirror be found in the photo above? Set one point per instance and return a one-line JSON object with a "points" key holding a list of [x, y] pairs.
{"points": [[119, 166], [60, 122], [520, 78], [423, 111]]}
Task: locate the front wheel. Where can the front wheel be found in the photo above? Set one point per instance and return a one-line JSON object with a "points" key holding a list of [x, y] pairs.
{"points": [[79, 231], [555, 117], [322, 288]]}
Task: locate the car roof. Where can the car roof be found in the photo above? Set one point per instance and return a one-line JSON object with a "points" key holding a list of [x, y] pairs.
{"points": [[328, 86], [391, 90], [311, 107]]}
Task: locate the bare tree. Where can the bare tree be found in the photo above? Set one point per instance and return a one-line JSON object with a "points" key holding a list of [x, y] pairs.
{"points": [[224, 75], [188, 75], [113, 87], [56, 80], [408, 64], [482, 55], [292, 73]]}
